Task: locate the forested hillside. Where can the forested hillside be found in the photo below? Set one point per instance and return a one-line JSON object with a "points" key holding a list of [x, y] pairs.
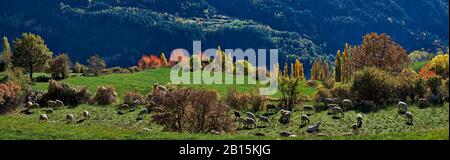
{"points": [[122, 30]]}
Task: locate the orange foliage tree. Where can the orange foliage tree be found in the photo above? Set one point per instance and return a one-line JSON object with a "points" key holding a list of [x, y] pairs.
{"points": [[379, 51], [149, 62], [426, 73]]}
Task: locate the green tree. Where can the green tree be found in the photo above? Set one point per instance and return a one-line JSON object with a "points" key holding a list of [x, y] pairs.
{"points": [[96, 64], [31, 53], [60, 66], [79, 68], [289, 92], [338, 67], [6, 53]]}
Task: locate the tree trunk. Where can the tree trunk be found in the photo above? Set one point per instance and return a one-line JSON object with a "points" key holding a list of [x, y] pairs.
{"points": [[31, 73]]}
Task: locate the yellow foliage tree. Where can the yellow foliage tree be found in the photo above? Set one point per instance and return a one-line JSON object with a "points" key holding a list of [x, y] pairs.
{"points": [[338, 67], [299, 70], [440, 65], [164, 60]]}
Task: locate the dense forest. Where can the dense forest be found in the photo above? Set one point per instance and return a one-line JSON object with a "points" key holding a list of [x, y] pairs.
{"points": [[123, 30]]}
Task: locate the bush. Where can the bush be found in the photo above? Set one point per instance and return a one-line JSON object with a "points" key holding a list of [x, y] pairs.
{"points": [[434, 84], [79, 68], [257, 101], [60, 66], [132, 96], [405, 88], [312, 83], [419, 88], [290, 94], [65, 93], [117, 70], [105, 71], [328, 83], [406, 84], [321, 94], [10, 97], [134, 69], [375, 85], [105, 95], [41, 78], [236, 100], [446, 88], [194, 111], [342, 91]]}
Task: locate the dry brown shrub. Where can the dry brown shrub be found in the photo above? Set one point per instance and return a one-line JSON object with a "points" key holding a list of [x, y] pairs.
{"points": [[188, 110]]}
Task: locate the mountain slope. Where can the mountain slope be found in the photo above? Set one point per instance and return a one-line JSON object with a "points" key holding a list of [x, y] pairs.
{"points": [[123, 30]]}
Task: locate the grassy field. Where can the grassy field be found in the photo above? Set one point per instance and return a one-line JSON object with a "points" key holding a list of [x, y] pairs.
{"points": [[105, 123], [143, 83]]}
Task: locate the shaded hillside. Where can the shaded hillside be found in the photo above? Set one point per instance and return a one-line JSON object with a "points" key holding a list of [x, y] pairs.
{"points": [[123, 30]]}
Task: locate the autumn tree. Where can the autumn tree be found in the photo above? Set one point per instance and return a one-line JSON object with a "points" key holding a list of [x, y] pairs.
{"points": [[380, 51], [164, 62], [299, 73], [338, 67], [229, 66], [6, 54], [149, 62], [96, 64], [326, 71], [440, 65], [31, 53], [285, 70], [316, 70], [196, 63], [60, 66], [346, 70], [292, 76]]}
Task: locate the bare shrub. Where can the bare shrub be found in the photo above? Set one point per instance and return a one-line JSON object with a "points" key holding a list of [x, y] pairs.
{"points": [[236, 99], [10, 97], [312, 83], [257, 101], [105, 95], [320, 96], [132, 96], [134, 69], [65, 93], [188, 110], [342, 91]]}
